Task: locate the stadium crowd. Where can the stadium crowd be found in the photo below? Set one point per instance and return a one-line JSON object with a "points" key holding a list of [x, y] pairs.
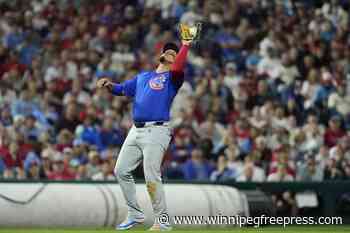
{"points": [[266, 96]]}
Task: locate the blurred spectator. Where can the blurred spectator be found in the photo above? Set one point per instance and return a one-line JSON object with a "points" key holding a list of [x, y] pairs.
{"points": [[310, 170], [233, 160], [333, 171], [211, 129], [81, 173], [110, 135], [106, 173], [59, 171], [12, 161], [280, 175], [79, 152], [2, 167], [333, 132], [153, 36], [47, 163], [93, 167], [30, 130], [64, 140], [69, 120], [33, 171], [197, 168], [251, 173], [339, 102], [222, 172], [23, 106], [89, 133]]}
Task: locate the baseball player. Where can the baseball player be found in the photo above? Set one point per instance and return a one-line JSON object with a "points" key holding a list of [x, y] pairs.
{"points": [[152, 93]]}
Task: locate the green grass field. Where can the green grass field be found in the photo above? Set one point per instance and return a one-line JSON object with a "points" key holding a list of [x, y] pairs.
{"points": [[289, 229]]}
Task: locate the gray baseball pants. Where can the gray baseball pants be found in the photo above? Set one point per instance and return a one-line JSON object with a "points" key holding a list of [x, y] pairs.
{"points": [[148, 144]]}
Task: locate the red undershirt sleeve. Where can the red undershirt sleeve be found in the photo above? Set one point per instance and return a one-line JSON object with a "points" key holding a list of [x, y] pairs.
{"points": [[177, 69], [180, 60]]}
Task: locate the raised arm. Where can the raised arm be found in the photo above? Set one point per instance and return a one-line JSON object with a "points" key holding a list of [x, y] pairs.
{"points": [[177, 68], [181, 58]]}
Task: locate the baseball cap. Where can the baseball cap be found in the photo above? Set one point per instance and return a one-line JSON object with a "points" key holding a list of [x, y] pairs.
{"points": [[172, 46]]}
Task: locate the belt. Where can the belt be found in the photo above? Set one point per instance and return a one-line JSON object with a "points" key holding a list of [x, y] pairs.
{"points": [[144, 124]]}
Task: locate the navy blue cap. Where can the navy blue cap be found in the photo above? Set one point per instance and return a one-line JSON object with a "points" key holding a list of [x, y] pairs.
{"points": [[172, 46]]}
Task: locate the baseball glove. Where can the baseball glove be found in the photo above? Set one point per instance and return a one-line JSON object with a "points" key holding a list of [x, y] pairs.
{"points": [[188, 33]]}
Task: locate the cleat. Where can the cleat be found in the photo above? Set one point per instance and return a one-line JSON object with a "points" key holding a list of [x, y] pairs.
{"points": [[130, 222], [160, 227]]}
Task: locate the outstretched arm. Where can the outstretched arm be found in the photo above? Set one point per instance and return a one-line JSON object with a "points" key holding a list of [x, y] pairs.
{"points": [[104, 83], [127, 88]]}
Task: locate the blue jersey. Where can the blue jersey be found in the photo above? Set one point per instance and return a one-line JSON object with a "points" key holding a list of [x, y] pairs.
{"points": [[152, 93]]}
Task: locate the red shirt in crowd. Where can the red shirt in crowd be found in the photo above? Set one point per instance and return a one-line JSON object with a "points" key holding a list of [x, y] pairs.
{"points": [[9, 160], [63, 175], [61, 147], [331, 136]]}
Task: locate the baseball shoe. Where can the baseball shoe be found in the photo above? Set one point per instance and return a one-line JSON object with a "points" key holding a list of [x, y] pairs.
{"points": [[160, 227], [130, 222]]}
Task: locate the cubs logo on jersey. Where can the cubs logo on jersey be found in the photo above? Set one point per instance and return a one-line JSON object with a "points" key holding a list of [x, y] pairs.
{"points": [[157, 83]]}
